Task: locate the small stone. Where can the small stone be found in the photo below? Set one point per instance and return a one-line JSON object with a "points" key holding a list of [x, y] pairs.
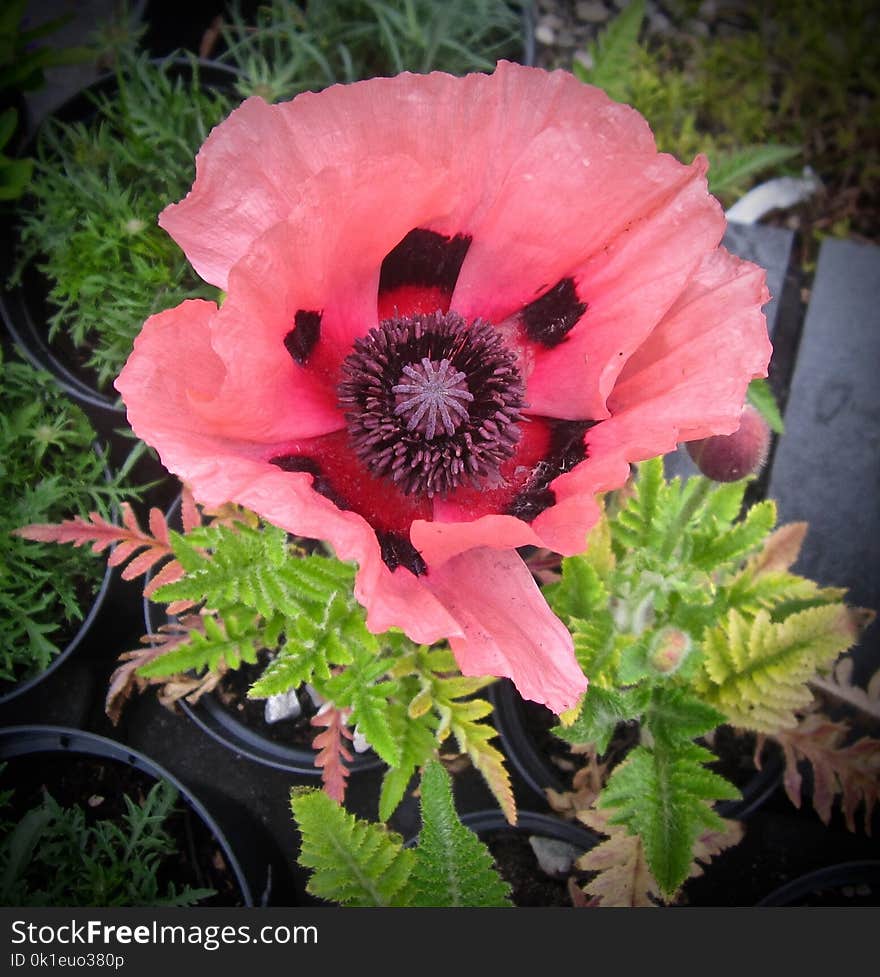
{"points": [[360, 742], [659, 23], [592, 12], [584, 58], [285, 705], [545, 35], [554, 857]]}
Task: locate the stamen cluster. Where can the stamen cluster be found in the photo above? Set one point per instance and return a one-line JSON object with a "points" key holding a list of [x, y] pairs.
{"points": [[432, 401]]}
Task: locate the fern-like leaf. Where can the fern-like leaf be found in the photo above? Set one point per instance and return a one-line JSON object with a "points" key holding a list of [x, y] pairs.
{"points": [[415, 737], [601, 712], [331, 751], [130, 542], [354, 863], [756, 672], [473, 738], [850, 771], [453, 867], [715, 549], [664, 797], [252, 567], [623, 876], [614, 53], [212, 646]]}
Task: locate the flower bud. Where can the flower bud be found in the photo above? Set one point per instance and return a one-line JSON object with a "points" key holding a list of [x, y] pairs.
{"points": [[669, 649], [730, 457]]}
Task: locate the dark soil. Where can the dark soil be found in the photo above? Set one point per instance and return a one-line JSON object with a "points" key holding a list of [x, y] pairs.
{"points": [[530, 885], [98, 786], [296, 733]]}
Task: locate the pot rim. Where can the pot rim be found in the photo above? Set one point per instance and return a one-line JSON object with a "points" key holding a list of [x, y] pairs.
{"points": [[856, 872], [24, 686], [23, 740]]}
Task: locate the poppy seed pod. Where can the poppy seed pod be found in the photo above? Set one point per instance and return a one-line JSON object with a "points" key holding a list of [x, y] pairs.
{"points": [[730, 457]]}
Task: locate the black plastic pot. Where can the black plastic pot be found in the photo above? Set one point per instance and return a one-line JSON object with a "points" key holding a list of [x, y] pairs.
{"points": [[24, 308], [36, 741], [10, 692], [535, 769], [517, 861], [210, 715], [844, 884]]}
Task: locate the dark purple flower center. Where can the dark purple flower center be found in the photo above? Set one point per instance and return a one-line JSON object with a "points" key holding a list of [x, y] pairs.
{"points": [[432, 402]]}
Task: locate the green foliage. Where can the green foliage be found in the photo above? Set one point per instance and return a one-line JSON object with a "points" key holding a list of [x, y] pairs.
{"points": [[662, 795], [97, 189], [49, 467], [57, 856], [291, 47], [805, 73], [15, 174], [686, 616], [756, 670], [761, 397], [615, 53], [22, 60], [263, 600], [359, 863], [673, 99]]}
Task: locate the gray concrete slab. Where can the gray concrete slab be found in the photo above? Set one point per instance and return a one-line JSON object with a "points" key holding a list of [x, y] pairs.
{"points": [[827, 465]]}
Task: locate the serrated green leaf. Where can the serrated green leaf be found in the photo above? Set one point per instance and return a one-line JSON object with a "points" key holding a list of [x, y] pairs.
{"points": [[677, 715], [595, 647], [756, 671], [722, 503], [453, 868], [354, 863], [473, 738], [711, 551], [601, 712], [664, 797], [417, 743], [229, 643], [580, 592], [613, 53]]}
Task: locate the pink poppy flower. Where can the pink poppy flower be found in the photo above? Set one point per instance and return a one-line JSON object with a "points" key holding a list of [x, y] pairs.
{"points": [[457, 309]]}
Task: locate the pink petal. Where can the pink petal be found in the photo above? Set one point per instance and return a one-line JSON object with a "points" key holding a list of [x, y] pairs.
{"points": [[628, 277], [688, 380], [165, 408], [256, 167], [508, 628]]}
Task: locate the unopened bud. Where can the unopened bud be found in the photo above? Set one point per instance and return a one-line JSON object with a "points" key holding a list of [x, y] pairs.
{"points": [[730, 457], [669, 650]]}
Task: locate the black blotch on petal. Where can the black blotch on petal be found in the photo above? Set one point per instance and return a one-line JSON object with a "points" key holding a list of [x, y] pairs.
{"points": [[398, 551], [301, 340], [424, 258], [548, 319], [567, 449], [321, 484]]}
